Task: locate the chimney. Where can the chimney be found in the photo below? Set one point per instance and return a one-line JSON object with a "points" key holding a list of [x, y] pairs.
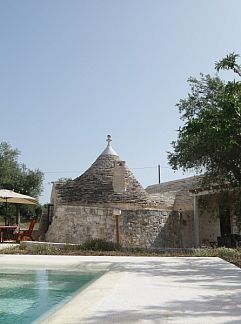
{"points": [[119, 182]]}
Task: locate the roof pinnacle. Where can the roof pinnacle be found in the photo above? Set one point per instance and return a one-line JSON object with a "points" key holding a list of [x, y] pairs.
{"points": [[109, 150], [109, 140]]}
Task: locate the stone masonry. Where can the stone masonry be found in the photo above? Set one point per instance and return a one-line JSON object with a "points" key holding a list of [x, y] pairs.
{"points": [[138, 228]]}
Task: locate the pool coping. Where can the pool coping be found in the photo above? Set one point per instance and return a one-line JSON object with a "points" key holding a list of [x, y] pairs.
{"points": [[123, 272]]}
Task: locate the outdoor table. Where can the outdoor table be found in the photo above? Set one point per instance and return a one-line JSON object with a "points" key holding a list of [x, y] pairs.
{"points": [[5, 231]]}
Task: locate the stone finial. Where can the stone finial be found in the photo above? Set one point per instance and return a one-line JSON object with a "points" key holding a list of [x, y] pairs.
{"points": [[109, 140], [109, 150]]}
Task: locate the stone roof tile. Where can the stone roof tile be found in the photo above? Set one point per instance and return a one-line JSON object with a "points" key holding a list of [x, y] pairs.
{"points": [[95, 186]]}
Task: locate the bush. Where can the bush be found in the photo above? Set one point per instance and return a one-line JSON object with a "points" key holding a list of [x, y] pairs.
{"points": [[100, 245]]}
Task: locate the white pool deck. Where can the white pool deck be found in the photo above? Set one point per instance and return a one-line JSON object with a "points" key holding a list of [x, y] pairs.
{"points": [[146, 289]]}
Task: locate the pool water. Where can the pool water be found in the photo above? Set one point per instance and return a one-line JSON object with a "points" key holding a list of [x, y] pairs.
{"points": [[25, 296]]}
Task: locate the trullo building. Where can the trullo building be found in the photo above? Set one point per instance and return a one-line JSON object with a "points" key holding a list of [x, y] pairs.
{"points": [[108, 202]]}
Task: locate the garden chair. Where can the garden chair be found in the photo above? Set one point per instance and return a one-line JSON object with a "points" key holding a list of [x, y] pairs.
{"points": [[26, 235]]}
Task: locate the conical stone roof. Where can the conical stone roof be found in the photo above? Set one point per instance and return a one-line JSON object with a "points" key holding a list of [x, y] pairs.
{"points": [[95, 186]]}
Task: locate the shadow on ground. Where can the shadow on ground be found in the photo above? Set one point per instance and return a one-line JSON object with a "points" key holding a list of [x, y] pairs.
{"points": [[220, 281]]}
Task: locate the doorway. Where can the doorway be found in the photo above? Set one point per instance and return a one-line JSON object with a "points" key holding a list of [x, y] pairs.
{"points": [[225, 220]]}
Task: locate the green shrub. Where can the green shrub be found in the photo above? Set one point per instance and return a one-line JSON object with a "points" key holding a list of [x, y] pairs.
{"points": [[228, 252], [100, 245]]}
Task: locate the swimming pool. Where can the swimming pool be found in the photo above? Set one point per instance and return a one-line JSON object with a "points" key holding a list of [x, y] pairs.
{"points": [[29, 296]]}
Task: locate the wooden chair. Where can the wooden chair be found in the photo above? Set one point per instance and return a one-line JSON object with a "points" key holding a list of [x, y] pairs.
{"points": [[26, 235]]}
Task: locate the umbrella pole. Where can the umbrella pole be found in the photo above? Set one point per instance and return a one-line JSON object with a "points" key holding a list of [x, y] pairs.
{"points": [[6, 218], [17, 214]]}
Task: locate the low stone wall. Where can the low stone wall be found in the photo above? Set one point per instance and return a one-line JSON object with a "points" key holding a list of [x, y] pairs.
{"points": [[36, 246], [138, 228]]}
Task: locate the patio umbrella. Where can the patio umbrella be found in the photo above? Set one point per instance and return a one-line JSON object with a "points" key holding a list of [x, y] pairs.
{"points": [[9, 196]]}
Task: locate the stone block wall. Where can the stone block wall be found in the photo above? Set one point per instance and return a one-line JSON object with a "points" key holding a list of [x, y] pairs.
{"points": [[150, 229], [138, 228], [76, 224]]}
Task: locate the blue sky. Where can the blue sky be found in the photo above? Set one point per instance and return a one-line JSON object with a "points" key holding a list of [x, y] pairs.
{"points": [[73, 71]]}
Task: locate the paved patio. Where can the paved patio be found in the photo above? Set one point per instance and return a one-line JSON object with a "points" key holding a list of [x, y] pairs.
{"points": [[148, 290]]}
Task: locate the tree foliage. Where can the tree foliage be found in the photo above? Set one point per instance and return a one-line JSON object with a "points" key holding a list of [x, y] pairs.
{"points": [[15, 175], [210, 139]]}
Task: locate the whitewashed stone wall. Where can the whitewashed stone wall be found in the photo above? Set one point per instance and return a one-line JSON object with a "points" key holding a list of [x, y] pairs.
{"points": [[187, 228], [138, 228], [209, 226]]}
